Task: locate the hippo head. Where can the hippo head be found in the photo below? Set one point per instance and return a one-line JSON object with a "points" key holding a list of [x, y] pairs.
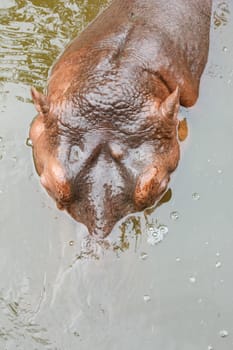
{"points": [[101, 164]]}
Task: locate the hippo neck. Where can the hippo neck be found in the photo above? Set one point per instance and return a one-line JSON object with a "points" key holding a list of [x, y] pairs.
{"points": [[129, 29], [127, 34]]}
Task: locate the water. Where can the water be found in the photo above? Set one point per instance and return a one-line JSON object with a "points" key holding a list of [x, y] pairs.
{"points": [[144, 256], [62, 290], [147, 298], [156, 234], [223, 333], [196, 196], [174, 215]]}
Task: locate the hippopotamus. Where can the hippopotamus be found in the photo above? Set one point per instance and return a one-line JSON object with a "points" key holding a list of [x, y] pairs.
{"points": [[105, 137]]}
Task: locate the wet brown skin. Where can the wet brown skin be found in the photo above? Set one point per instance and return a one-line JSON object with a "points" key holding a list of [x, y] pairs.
{"points": [[105, 138]]}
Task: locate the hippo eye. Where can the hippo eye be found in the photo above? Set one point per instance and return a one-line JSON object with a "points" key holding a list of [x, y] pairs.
{"points": [[74, 154]]}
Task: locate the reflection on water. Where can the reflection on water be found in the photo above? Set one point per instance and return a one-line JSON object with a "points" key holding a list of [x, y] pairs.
{"points": [[128, 236], [33, 33], [221, 14], [182, 129], [17, 322]]}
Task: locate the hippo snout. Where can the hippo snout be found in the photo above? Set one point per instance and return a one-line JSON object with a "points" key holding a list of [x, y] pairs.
{"points": [[102, 197]]}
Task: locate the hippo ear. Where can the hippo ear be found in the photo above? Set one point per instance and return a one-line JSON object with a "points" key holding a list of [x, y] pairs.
{"points": [[170, 107], [146, 188], [40, 101]]}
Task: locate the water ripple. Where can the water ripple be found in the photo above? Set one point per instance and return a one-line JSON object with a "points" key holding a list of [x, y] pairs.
{"points": [[32, 33]]}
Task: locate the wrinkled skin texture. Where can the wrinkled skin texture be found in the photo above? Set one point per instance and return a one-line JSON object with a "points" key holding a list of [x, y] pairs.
{"points": [[105, 138]]}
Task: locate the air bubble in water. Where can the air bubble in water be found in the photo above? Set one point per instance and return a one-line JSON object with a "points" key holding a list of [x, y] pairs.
{"points": [[225, 49], [29, 142], [163, 229], [218, 264], [174, 215], [147, 298], [210, 347], [223, 333], [195, 196], [156, 234], [143, 256], [192, 279], [71, 243]]}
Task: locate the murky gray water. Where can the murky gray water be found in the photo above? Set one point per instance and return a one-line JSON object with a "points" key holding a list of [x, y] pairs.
{"points": [[164, 279]]}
